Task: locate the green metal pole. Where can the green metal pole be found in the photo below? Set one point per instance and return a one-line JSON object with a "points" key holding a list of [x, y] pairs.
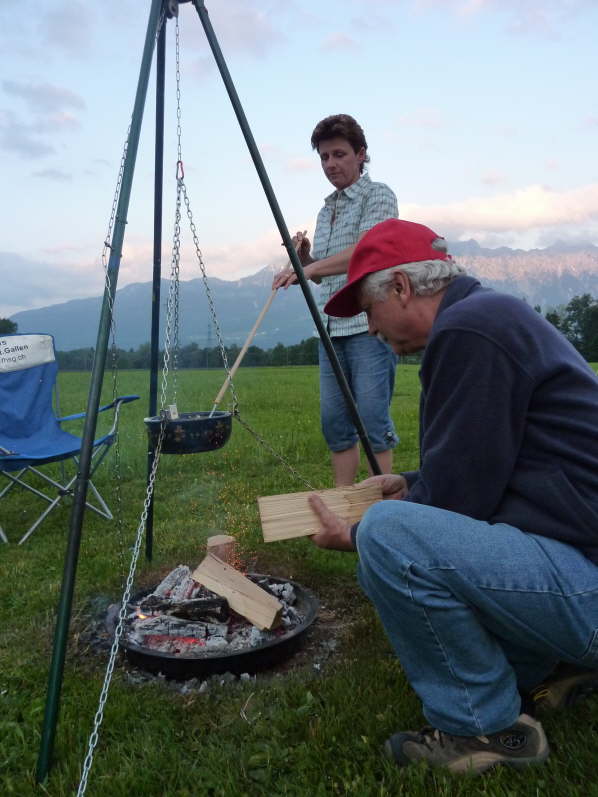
{"points": [[282, 228], [157, 272], [93, 401]]}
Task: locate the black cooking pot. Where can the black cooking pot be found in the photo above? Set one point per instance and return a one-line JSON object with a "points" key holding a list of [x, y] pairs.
{"points": [[191, 432]]}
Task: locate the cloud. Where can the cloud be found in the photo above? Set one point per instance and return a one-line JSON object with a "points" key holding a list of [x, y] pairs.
{"points": [[44, 97], [301, 164], [68, 28], [339, 42], [227, 262], [532, 208], [492, 178], [544, 18], [50, 112], [242, 26], [373, 23], [421, 117], [28, 283], [53, 174], [21, 138]]}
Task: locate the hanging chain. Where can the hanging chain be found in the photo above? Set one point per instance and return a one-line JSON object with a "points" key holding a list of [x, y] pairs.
{"points": [[99, 715], [210, 299], [116, 463], [182, 189], [171, 336], [274, 453], [172, 313]]}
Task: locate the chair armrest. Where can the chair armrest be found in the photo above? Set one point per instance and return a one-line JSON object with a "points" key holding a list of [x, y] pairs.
{"points": [[116, 403]]}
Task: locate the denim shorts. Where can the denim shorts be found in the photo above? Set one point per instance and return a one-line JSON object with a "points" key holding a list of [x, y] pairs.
{"points": [[369, 367]]}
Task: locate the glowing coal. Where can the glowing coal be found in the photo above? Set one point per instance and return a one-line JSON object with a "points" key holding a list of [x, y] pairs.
{"points": [[183, 618]]}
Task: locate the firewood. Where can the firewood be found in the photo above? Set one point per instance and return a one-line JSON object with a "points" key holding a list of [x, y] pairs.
{"points": [[223, 547], [287, 516], [243, 596]]}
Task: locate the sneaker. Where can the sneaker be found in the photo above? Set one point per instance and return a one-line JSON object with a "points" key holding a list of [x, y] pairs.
{"points": [[522, 744], [564, 687]]}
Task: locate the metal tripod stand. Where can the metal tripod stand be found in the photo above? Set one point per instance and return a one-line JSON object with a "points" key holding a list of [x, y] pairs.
{"points": [[160, 11]]}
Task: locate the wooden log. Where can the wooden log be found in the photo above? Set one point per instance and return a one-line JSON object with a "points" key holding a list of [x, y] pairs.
{"points": [[286, 516], [223, 547], [243, 596]]}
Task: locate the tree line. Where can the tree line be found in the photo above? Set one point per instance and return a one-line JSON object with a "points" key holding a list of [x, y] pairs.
{"points": [[577, 320], [192, 356]]}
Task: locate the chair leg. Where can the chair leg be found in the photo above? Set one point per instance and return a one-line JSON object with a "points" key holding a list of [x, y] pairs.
{"points": [[105, 509], [3, 537], [46, 512]]}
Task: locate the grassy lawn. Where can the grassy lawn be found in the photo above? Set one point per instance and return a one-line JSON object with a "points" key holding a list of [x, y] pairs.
{"points": [[305, 730]]}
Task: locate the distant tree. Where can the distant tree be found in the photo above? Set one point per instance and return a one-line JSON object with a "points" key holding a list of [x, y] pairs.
{"points": [[578, 321], [7, 327], [278, 355], [554, 317]]}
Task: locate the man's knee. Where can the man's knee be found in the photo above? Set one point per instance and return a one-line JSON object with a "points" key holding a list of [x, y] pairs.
{"points": [[377, 529], [392, 530]]}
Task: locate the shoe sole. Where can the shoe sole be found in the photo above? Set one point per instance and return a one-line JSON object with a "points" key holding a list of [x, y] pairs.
{"points": [[476, 764]]}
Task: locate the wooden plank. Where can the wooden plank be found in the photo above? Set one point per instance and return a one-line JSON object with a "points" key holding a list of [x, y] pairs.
{"points": [[244, 597], [287, 516], [223, 547]]}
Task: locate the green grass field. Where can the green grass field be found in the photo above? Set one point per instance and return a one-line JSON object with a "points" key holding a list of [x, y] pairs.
{"points": [[306, 731]]}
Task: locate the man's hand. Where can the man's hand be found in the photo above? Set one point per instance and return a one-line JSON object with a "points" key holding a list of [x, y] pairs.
{"points": [[335, 533], [394, 486]]}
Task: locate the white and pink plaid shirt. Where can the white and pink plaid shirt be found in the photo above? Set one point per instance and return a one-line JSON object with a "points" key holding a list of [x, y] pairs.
{"points": [[345, 216]]}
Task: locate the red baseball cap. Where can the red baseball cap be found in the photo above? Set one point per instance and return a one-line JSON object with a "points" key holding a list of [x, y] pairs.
{"points": [[391, 243]]}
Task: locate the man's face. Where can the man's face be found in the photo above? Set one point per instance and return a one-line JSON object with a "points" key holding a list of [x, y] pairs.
{"points": [[398, 319], [341, 164]]}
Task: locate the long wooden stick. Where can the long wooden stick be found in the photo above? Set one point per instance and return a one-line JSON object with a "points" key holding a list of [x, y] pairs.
{"points": [[241, 354], [247, 343]]}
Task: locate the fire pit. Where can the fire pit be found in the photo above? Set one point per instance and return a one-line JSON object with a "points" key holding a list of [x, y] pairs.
{"points": [[183, 630]]}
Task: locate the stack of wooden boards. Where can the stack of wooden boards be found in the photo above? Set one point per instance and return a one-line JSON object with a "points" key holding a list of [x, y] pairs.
{"points": [[287, 516]]}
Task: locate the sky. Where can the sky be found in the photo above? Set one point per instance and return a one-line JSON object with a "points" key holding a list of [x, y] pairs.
{"points": [[482, 115]]}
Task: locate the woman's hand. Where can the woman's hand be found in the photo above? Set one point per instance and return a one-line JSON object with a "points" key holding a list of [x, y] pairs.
{"points": [[287, 276]]}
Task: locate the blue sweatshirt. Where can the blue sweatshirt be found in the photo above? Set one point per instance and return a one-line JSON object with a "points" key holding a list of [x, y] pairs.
{"points": [[508, 419]]}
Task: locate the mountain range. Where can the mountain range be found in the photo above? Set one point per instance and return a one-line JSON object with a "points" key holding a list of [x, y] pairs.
{"points": [[547, 277]]}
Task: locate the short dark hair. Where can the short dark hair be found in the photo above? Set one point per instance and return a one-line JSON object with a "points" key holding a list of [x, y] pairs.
{"points": [[341, 125]]}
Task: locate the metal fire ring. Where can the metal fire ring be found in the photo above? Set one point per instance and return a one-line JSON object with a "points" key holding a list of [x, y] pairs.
{"points": [[250, 660]]}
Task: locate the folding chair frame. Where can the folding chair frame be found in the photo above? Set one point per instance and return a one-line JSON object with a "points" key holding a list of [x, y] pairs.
{"points": [[63, 490]]}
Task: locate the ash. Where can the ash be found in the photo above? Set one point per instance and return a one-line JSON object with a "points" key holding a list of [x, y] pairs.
{"points": [[181, 617]]}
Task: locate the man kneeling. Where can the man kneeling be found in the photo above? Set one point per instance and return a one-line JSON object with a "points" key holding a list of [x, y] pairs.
{"points": [[483, 563]]}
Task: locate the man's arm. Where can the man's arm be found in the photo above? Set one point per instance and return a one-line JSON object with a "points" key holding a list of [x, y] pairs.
{"points": [[474, 419]]}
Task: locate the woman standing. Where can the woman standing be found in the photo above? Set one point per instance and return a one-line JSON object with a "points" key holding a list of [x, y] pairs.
{"points": [[356, 205]]}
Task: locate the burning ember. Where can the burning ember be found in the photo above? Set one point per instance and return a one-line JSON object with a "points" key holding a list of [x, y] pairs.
{"points": [[181, 617]]}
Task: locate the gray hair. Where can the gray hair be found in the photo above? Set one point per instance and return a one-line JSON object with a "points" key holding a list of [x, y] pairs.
{"points": [[426, 277]]}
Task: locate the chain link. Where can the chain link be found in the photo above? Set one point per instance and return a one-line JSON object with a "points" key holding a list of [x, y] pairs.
{"points": [[99, 715], [171, 353], [116, 462], [274, 453]]}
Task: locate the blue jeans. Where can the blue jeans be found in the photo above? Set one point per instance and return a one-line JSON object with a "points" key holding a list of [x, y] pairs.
{"points": [[475, 612], [369, 367]]}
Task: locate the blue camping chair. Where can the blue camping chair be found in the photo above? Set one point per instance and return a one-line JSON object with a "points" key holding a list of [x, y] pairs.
{"points": [[30, 433]]}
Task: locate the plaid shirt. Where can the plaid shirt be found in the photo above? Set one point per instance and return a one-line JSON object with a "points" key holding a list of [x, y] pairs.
{"points": [[345, 216]]}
